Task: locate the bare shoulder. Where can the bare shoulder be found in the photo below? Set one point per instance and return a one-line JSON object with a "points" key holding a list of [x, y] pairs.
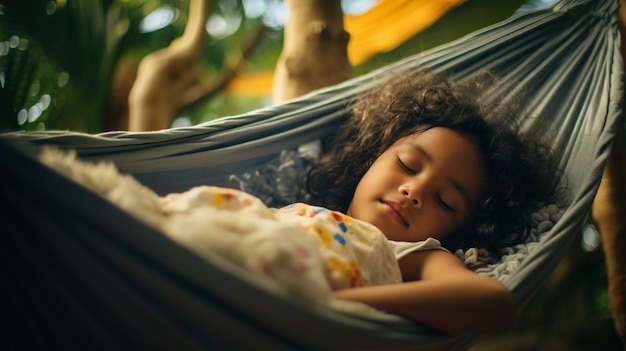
{"points": [[432, 264]]}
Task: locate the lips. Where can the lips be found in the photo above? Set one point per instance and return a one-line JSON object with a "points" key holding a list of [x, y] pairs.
{"points": [[395, 211]]}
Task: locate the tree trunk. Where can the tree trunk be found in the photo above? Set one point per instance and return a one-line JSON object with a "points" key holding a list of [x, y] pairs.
{"points": [[609, 214], [164, 76], [315, 51]]}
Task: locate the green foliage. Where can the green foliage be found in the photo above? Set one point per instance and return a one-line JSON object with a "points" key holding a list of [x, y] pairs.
{"points": [[57, 58], [62, 52]]}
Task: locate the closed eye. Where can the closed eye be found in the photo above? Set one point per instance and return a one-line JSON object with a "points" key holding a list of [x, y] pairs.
{"points": [[444, 204], [406, 168]]}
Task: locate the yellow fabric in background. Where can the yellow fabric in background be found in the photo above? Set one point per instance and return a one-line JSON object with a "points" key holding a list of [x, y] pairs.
{"points": [[385, 26], [390, 23]]}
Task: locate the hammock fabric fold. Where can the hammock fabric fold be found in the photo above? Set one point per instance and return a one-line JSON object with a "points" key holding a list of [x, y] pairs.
{"points": [[79, 273]]}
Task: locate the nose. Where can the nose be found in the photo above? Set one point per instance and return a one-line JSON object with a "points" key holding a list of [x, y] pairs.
{"points": [[413, 194]]}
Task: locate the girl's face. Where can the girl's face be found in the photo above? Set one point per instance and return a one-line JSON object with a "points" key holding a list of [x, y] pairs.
{"points": [[425, 185]]}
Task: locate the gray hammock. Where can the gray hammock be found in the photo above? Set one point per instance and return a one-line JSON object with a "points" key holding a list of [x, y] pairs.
{"points": [[79, 273]]}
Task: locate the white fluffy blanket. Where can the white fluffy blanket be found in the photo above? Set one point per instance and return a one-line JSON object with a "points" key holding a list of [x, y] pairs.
{"points": [[279, 255]]}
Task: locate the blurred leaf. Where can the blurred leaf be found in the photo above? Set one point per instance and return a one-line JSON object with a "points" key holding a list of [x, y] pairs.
{"points": [[67, 49]]}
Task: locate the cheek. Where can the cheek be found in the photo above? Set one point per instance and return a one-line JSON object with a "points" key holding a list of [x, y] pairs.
{"points": [[454, 227], [358, 197], [367, 182]]}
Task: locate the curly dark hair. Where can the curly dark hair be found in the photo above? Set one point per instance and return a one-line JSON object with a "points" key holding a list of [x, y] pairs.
{"points": [[522, 171]]}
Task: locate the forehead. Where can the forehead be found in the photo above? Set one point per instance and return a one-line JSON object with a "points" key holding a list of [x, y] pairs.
{"points": [[442, 140]]}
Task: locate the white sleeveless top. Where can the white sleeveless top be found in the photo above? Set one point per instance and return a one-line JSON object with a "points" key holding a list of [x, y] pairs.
{"points": [[403, 248]]}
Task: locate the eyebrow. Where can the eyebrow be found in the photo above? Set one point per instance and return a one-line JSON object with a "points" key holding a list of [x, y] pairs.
{"points": [[458, 186]]}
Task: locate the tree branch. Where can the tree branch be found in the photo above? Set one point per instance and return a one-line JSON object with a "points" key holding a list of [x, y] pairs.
{"points": [[164, 75], [200, 92]]}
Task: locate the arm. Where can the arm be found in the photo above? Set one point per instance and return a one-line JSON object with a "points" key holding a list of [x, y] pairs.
{"points": [[442, 294]]}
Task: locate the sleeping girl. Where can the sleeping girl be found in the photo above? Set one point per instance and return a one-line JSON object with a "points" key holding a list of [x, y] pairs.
{"points": [[425, 159], [422, 168]]}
